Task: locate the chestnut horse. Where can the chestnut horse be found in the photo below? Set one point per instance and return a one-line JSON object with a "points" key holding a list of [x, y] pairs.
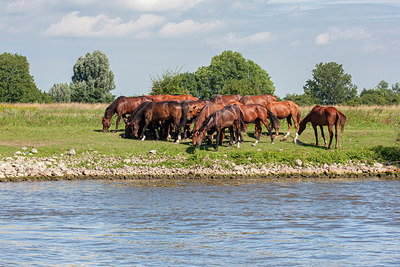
{"points": [[176, 98], [226, 99], [190, 110], [258, 99], [322, 116], [257, 114], [122, 105], [289, 110], [155, 112], [205, 112], [229, 117]]}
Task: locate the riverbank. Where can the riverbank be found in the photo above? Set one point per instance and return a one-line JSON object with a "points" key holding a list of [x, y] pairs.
{"points": [[92, 165]]}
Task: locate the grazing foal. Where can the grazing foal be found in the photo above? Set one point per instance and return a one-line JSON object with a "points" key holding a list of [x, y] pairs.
{"points": [[322, 116]]}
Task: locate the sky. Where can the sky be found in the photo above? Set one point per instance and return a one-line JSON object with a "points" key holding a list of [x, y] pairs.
{"points": [[145, 38]]}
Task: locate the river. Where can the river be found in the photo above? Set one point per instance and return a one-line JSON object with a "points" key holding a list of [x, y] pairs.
{"points": [[201, 223]]}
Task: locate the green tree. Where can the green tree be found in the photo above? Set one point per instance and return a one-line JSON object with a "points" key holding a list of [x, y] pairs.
{"points": [[61, 92], [301, 100], [330, 85], [221, 76], [92, 80], [16, 84], [171, 82], [396, 88]]}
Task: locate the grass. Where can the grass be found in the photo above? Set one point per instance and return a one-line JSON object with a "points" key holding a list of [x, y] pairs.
{"points": [[370, 136]]}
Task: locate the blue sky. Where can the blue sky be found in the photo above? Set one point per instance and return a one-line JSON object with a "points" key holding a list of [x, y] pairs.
{"points": [[144, 38]]}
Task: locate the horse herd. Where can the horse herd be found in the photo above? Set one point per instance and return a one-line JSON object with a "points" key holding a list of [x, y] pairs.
{"points": [[169, 114]]}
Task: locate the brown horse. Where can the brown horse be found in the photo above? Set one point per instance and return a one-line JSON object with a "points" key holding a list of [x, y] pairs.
{"points": [[205, 112], [289, 110], [155, 112], [322, 116], [229, 117], [258, 99], [190, 110], [226, 99], [257, 114], [176, 98], [122, 105]]}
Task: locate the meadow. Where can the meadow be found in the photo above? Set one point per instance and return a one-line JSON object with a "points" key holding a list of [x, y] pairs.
{"points": [[372, 134]]}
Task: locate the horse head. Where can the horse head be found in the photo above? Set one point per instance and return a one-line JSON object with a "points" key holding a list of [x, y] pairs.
{"points": [[106, 124], [302, 127]]}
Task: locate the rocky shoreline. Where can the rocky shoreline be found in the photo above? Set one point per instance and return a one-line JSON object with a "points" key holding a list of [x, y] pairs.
{"points": [[25, 166]]}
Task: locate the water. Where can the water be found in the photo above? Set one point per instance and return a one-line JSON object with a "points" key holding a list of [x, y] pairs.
{"points": [[102, 223]]}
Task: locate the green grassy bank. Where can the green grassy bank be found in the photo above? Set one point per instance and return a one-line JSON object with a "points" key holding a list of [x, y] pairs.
{"points": [[371, 135]]}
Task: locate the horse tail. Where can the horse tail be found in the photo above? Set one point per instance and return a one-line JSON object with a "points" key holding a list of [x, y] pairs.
{"points": [[299, 116], [275, 123], [342, 119], [183, 118], [242, 125]]}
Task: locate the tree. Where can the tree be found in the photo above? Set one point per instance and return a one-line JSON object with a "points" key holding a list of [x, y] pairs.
{"points": [[396, 88], [16, 84], [330, 85], [92, 80], [221, 76], [61, 92], [301, 100], [171, 82]]}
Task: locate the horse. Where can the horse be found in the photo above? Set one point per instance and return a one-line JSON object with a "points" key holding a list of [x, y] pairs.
{"points": [[205, 112], [257, 114], [226, 99], [324, 116], [258, 99], [122, 105], [155, 112], [229, 117], [289, 110], [190, 110], [176, 98]]}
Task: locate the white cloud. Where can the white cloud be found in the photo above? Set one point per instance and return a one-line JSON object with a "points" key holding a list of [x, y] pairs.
{"points": [[73, 25], [187, 27], [336, 34], [260, 37], [159, 5], [24, 5]]}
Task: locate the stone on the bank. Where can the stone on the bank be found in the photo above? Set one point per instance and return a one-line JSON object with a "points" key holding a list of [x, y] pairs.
{"points": [[298, 163], [378, 165], [18, 153], [34, 151], [239, 168], [71, 152], [24, 148], [153, 151]]}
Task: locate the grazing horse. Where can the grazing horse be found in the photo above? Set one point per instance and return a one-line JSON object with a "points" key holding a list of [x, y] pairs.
{"points": [[289, 110], [258, 99], [205, 112], [226, 99], [122, 105], [155, 112], [229, 117], [322, 116], [190, 110], [257, 114], [176, 98]]}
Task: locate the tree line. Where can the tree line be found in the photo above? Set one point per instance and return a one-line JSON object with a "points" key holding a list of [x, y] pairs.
{"points": [[228, 73]]}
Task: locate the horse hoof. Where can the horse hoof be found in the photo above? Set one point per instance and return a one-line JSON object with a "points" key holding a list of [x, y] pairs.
{"points": [[254, 144]]}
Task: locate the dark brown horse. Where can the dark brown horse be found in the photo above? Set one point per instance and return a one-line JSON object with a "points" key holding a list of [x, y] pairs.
{"points": [[190, 110], [229, 117], [156, 112], [258, 114], [205, 112], [122, 106], [258, 99], [289, 110], [226, 99], [324, 116], [176, 98]]}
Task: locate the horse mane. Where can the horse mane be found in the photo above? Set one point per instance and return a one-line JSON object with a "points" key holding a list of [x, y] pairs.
{"points": [[112, 108], [211, 117], [138, 112]]}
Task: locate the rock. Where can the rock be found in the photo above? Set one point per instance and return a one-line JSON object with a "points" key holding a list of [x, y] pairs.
{"points": [[153, 151], [127, 161], [71, 152], [298, 163], [378, 165], [259, 149], [24, 148], [18, 153], [34, 151], [238, 168]]}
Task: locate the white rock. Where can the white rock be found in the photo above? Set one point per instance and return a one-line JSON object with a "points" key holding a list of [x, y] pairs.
{"points": [[71, 152], [298, 163], [153, 151]]}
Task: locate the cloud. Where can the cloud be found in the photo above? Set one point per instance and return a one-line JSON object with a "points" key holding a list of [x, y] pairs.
{"points": [[336, 34], [187, 27], [24, 5], [73, 25], [159, 5], [260, 37]]}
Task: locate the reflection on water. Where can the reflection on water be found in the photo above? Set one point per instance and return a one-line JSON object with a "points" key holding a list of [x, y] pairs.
{"points": [[340, 222]]}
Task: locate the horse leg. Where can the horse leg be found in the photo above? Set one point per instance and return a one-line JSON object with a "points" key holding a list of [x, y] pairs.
{"points": [[116, 125], [330, 126], [178, 131], [316, 134], [231, 136], [142, 136], [296, 126], [289, 121], [156, 132], [258, 131], [217, 140], [336, 134], [322, 133]]}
